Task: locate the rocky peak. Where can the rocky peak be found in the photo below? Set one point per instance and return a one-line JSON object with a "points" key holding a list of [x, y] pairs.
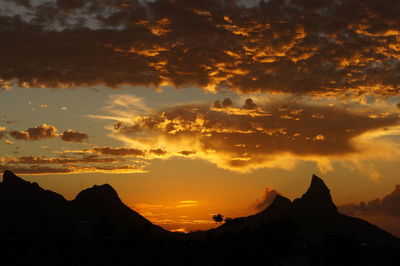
{"points": [[9, 178], [317, 200], [104, 193]]}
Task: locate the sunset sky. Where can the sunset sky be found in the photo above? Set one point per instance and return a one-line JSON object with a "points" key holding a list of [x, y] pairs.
{"points": [[190, 108]]}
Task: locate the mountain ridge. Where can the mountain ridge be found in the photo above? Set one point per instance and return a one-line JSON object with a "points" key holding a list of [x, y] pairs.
{"points": [[31, 208], [314, 214], [97, 228], [313, 217]]}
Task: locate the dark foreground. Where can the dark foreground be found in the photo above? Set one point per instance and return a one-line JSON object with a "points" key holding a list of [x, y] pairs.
{"points": [[40, 227]]}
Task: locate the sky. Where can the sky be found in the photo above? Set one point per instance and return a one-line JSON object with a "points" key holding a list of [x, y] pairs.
{"points": [[191, 108]]}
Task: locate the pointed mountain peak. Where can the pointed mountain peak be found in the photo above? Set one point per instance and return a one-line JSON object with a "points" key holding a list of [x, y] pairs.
{"points": [[280, 203], [280, 206], [103, 192], [279, 200], [317, 185], [10, 178], [317, 199]]}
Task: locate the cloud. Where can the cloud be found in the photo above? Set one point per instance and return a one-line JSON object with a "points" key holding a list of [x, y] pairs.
{"points": [[45, 170], [267, 135], [120, 151], [36, 133], [47, 132], [388, 205], [187, 153], [3, 132], [266, 199], [302, 47], [73, 136], [7, 141], [59, 160], [70, 165]]}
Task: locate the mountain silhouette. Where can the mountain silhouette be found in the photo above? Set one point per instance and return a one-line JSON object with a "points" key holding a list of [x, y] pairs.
{"points": [[30, 210], [41, 227], [101, 204], [317, 201], [313, 217]]}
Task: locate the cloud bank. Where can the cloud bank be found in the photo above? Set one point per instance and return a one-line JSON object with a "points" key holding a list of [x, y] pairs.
{"points": [[40, 165], [321, 47], [388, 205]]}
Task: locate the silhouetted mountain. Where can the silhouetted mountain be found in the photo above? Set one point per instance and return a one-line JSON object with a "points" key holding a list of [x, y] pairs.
{"points": [[102, 206], [314, 218], [27, 209], [317, 201], [30, 210], [40, 227]]}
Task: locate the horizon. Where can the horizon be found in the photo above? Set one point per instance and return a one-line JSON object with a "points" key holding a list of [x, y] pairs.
{"points": [[191, 108]]}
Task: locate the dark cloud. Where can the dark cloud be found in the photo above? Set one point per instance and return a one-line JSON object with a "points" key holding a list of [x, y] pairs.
{"points": [[315, 47], [245, 138], [187, 153], [118, 151], [47, 132], [227, 102], [388, 205], [249, 104], [35, 169], [158, 152], [36, 133], [73, 136], [266, 199], [58, 160]]}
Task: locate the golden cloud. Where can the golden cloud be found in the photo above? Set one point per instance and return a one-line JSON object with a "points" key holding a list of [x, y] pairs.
{"points": [[41, 165], [217, 44], [36, 133], [236, 139]]}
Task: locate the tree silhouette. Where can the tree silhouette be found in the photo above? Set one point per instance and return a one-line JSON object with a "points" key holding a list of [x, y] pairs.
{"points": [[218, 218]]}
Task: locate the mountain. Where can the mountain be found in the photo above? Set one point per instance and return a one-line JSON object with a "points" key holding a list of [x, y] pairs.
{"points": [[316, 201], [27, 209], [40, 227], [312, 218]]}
